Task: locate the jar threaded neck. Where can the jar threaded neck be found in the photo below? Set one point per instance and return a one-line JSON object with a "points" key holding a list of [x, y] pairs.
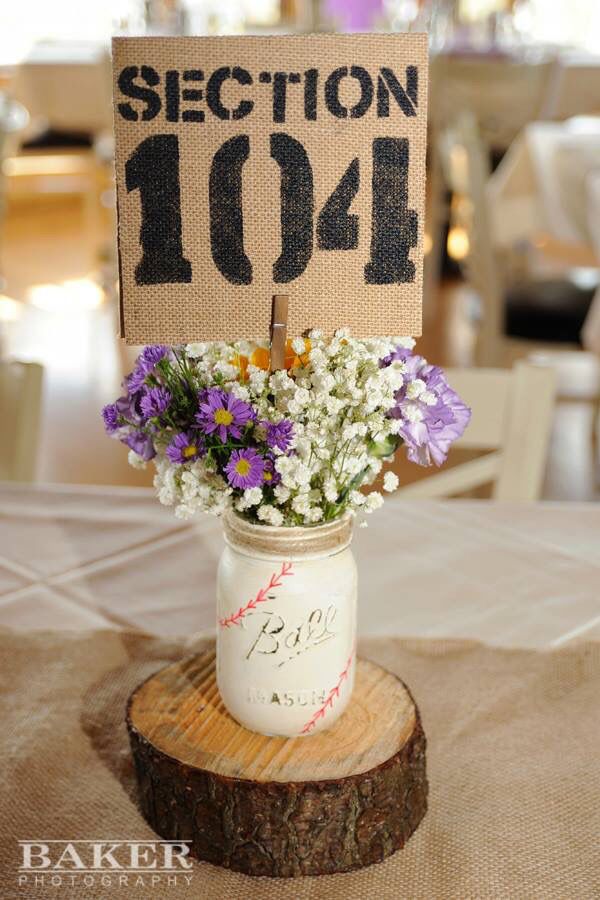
{"points": [[287, 541]]}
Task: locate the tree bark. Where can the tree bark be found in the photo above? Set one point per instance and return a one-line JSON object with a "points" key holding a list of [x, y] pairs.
{"points": [[262, 825]]}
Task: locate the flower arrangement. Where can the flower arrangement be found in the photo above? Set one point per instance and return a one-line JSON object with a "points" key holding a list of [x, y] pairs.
{"points": [[291, 447]]}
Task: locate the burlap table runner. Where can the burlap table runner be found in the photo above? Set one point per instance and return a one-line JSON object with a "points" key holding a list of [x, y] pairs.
{"points": [[513, 764]]}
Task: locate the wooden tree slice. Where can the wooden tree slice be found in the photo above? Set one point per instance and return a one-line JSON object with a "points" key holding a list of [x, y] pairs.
{"points": [[335, 801]]}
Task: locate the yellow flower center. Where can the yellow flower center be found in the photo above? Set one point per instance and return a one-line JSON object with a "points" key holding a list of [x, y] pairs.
{"points": [[190, 451], [268, 476], [223, 417], [242, 467]]}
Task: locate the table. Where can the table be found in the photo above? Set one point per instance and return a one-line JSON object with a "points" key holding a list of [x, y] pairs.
{"points": [[113, 558], [548, 184]]}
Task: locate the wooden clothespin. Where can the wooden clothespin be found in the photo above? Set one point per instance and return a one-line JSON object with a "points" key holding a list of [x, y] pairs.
{"points": [[279, 317]]}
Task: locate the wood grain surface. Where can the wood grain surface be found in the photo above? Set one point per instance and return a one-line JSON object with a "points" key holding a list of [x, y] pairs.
{"points": [[283, 807]]}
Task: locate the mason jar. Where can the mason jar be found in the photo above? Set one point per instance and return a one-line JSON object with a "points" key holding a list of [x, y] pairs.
{"points": [[286, 625]]}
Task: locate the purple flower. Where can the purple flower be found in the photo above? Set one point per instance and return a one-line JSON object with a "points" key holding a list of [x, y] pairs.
{"points": [[129, 408], [155, 401], [271, 476], [222, 412], [110, 414], [135, 381], [141, 443], [245, 469], [433, 416], [279, 435], [150, 356], [144, 366], [400, 353], [185, 447]]}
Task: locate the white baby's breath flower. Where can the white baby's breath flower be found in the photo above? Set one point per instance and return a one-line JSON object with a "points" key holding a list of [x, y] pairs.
{"points": [[339, 400], [253, 496], [356, 498], [184, 511], [330, 490], [240, 391], [318, 360], [298, 345], [196, 350], [135, 460], [226, 369], [282, 493], [413, 413], [415, 388], [315, 514], [301, 504], [390, 482], [407, 343], [374, 501], [269, 514]]}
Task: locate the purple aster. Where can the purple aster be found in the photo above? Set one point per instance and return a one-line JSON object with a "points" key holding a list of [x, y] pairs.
{"points": [[222, 412], [279, 435], [141, 443], [150, 356], [245, 469], [110, 414], [271, 476], [135, 381], [155, 401], [144, 366], [428, 429], [185, 447]]}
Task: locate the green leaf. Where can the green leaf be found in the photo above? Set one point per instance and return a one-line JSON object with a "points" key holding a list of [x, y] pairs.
{"points": [[386, 447]]}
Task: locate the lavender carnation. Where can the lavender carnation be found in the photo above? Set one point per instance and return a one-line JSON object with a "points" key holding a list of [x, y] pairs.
{"points": [[141, 443], [433, 416]]}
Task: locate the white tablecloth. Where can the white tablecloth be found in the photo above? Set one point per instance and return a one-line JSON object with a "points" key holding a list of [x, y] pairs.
{"points": [[509, 575]]}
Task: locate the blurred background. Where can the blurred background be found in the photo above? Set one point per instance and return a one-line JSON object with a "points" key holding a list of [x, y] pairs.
{"points": [[512, 225]]}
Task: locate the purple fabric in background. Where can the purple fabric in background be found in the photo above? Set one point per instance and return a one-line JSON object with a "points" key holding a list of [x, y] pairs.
{"points": [[354, 15]]}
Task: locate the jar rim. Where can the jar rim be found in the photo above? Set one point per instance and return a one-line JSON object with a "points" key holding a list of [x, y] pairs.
{"points": [[320, 539]]}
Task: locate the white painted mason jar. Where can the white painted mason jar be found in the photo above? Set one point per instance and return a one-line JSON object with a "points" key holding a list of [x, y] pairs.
{"points": [[286, 625]]}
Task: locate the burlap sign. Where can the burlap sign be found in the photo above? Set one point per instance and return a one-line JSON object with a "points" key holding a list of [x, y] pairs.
{"points": [[253, 166]]}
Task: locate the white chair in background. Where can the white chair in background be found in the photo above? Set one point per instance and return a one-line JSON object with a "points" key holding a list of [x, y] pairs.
{"points": [[521, 316], [20, 409], [502, 95], [511, 418]]}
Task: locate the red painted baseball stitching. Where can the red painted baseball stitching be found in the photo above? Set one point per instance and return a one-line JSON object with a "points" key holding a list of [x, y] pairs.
{"points": [[235, 618], [334, 692]]}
